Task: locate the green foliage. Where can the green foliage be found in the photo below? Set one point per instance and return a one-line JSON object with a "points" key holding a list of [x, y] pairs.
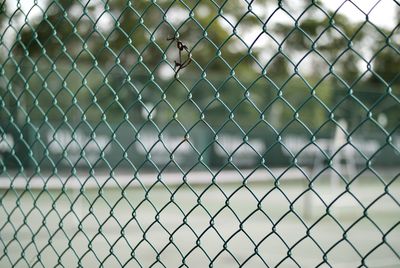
{"points": [[3, 9], [120, 51]]}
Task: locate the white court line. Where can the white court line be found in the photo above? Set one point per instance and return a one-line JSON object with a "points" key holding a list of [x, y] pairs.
{"points": [[122, 179]]}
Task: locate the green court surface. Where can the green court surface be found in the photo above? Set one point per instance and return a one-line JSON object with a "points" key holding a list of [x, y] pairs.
{"points": [[257, 224]]}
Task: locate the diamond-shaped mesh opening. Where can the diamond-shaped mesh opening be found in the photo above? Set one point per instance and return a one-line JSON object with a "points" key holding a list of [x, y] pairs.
{"points": [[272, 249], [381, 205], [356, 240]]}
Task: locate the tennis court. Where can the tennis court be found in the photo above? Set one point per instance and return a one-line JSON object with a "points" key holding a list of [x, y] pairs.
{"points": [[263, 222]]}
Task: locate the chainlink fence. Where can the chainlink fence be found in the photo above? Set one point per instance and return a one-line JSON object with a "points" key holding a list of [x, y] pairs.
{"points": [[199, 133]]}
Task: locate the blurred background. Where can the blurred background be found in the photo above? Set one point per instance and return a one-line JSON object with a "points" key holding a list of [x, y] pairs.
{"points": [[278, 145], [266, 79]]}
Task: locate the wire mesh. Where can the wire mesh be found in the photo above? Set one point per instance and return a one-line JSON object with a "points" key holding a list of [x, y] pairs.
{"points": [[199, 133]]}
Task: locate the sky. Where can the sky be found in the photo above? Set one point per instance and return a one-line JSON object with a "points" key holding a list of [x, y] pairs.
{"points": [[383, 11], [380, 12]]}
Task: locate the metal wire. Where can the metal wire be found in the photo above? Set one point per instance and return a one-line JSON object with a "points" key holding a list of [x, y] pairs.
{"points": [[113, 112]]}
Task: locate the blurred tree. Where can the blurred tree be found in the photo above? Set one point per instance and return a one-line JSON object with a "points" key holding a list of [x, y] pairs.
{"points": [[385, 75], [114, 57], [335, 48], [127, 41], [386, 57], [50, 34], [3, 14], [3, 107]]}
